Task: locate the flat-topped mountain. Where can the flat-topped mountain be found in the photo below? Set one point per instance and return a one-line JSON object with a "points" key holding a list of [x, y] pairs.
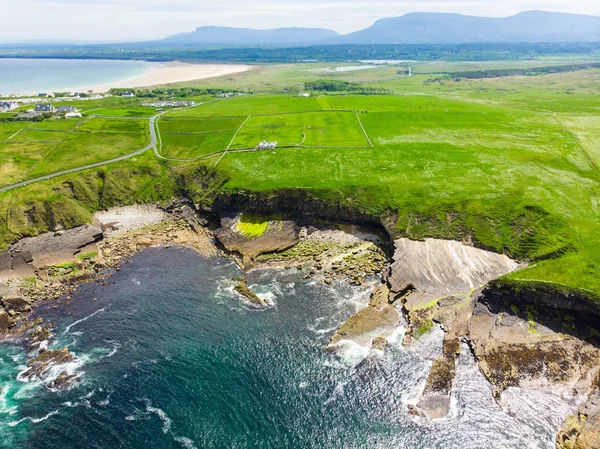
{"points": [[212, 35], [413, 28], [437, 28]]}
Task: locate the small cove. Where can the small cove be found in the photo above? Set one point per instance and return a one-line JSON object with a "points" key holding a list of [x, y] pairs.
{"points": [[168, 354]]}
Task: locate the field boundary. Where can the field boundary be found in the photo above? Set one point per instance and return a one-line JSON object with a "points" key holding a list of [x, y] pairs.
{"points": [[364, 131], [232, 140]]}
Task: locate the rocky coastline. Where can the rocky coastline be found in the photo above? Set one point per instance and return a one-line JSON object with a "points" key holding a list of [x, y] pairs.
{"points": [[529, 338]]}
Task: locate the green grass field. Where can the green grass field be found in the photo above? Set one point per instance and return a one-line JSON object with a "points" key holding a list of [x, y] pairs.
{"points": [[307, 129], [55, 145], [194, 137], [510, 164]]}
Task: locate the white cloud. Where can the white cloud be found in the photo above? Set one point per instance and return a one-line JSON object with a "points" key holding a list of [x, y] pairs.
{"points": [[113, 20]]}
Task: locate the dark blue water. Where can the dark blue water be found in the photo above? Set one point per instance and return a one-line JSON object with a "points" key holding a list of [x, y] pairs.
{"points": [[170, 357]]}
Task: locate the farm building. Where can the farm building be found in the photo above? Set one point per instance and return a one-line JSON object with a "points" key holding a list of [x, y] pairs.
{"points": [[264, 145]]}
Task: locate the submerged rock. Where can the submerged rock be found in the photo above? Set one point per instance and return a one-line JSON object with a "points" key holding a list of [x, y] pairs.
{"points": [[62, 380]]}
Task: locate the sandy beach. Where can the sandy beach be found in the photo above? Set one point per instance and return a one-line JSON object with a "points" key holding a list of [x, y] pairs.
{"points": [[172, 72]]}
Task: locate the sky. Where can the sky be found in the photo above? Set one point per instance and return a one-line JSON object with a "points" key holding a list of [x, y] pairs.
{"points": [[127, 20]]}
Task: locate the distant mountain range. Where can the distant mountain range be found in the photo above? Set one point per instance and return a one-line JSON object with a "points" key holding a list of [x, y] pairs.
{"points": [[414, 28], [212, 35]]}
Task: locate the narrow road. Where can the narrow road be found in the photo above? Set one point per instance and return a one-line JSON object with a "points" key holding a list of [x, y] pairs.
{"points": [[151, 145]]}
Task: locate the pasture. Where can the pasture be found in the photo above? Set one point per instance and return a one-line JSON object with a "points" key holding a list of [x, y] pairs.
{"points": [[303, 129], [510, 164], [33, 149]]}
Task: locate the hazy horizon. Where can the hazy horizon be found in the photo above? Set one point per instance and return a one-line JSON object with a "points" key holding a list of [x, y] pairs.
{"points": [[131, 20]]}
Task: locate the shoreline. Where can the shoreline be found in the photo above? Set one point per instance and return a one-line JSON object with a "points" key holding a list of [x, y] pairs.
{"points": [[170, 73], [326, 253], [157, 73]]}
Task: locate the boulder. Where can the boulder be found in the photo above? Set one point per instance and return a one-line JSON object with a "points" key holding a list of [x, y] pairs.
{"points": [[6, 322]]}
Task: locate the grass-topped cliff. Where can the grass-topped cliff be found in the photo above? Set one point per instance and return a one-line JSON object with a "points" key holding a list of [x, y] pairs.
{"points": [[509, 164]]}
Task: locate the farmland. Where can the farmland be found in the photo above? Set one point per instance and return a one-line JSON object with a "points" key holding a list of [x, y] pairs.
{"points": [[510, 164], [29, 150]]}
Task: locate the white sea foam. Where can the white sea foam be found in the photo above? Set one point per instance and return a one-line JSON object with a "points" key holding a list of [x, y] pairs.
{"points": [[186, 442], [33, 420], [349, 353], [68, 328], [161, 414]]}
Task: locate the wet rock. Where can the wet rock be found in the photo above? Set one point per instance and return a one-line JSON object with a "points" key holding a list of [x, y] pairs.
{"points": [[62, 380], [582, 431], [379, 343], [43, 362], [379, 318], [39, 334], [241, 286], [436, 398]]}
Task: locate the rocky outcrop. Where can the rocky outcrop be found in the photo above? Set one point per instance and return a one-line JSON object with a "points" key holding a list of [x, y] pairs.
{"points": [[559, 309], [371, 325], [41, 365], [582, 431], [23, 258], [436, 398], [512, 351], [252, 236], [241, 286]]}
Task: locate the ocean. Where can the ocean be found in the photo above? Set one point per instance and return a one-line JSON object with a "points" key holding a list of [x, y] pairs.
{"points": [[168, 356], [33, 76]]}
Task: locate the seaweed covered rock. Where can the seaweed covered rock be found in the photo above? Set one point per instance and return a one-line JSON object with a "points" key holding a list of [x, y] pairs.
{"points": [[241, 286]]}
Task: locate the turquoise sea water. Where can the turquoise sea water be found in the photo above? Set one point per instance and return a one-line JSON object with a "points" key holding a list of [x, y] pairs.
{"points": [[32, 76], [170, 357]]}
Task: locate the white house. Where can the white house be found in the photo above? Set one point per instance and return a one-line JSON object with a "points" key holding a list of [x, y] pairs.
{"points": [[264, 145], [128, 94], [305, 94], [66, 109], [8, 105]]}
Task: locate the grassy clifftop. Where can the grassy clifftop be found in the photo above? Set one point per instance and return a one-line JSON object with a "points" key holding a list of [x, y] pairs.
{"points": [[510, 165]]}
